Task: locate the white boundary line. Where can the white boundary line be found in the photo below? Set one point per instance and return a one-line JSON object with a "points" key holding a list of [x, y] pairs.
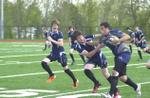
{"points": [[60, 71], [82, 91]]}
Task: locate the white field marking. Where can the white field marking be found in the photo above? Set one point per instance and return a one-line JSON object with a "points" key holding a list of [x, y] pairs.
{"points": [[20, 46], [19, 62], [60, 71], [20, 51], [2, 88], [31, 55], [87, 90], [24, 93], [141, 67], [82, 95], [26, 55], [28, 62]]}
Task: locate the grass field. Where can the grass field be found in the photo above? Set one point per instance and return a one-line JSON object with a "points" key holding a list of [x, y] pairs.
{"points": [[21, 74]]}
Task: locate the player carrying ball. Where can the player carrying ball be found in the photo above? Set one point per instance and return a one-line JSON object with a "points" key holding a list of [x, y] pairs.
{"points": [[115, 41]]}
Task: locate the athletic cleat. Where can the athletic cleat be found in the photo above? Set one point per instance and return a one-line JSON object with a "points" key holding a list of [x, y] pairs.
{"points": [[51, 78], [138, 90], [95, 88], [75, 83], [117, 94]]}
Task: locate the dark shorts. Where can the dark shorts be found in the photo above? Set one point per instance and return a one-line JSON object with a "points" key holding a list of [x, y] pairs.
{"points": [[98, 60], [121, 62], [62, 59]]}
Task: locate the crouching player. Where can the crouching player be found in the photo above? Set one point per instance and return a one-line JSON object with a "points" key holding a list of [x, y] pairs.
{"points": [[72, 44], [95, 57], [115, 40], [57, 54]]}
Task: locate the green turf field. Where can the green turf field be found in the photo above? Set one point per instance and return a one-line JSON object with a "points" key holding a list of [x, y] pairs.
{"points": [[22, 75]]}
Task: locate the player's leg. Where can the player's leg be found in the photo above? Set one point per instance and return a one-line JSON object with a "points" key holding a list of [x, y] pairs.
{"points": [[131, 83], [122, 73], [130, 46], [45, 66], [113, 80], [140, 53], [87, 70], [102, 63], [63, 61], [71, 55], [83, 58], [45, 46]]}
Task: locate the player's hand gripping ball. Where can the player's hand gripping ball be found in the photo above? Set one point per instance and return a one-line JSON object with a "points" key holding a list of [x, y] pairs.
{"points": [[114, 40]]}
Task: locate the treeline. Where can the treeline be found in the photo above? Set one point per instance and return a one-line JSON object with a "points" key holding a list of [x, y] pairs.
{"points": [[25, 18]]}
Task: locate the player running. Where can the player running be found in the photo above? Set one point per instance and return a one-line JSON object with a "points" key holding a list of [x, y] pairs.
{"points": [[73, 44], [57, 54], [115, 40], [140, 40], [95, 58]]}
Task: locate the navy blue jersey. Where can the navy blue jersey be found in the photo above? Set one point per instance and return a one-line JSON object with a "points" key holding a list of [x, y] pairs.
{"points": [[70, 35], [139, 35], [131, 34], [116, 49], [98, 59], [81, 47], [56, 49], [89, 37], [140, 40]]}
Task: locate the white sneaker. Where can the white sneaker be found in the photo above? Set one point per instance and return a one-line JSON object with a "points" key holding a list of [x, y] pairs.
{"points": [[138, 90]]}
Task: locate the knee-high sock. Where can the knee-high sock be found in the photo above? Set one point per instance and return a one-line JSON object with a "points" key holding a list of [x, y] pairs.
{"points": [[140, 54], [114, 83], [47, 68], [131, 83], [83, 59], [69, 72], [130, 46], [72, 57], [90, 75]]}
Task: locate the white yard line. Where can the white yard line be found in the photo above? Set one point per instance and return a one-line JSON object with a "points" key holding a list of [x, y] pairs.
{"points": [[60, 71], [18, 63], [87, 90], [30, 62], [31, 55], [25, 55], [141, 67]]}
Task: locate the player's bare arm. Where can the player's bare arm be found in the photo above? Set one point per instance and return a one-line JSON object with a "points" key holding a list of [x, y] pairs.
{"points": [[59, 42], [92, 53]]}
